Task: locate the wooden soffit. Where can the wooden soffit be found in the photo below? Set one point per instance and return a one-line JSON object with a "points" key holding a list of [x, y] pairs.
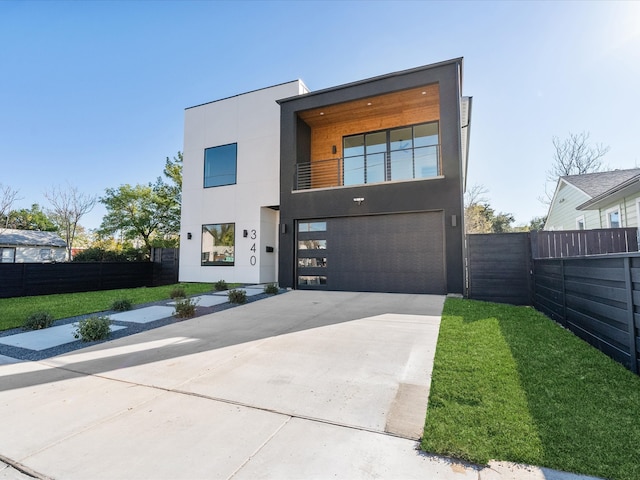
{"points": [[389, 104]]}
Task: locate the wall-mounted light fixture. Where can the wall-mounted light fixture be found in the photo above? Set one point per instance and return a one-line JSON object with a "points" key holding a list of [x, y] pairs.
{"points": [[454, 221], [245, 233], [269, 249], [283, 228], [359, 200], [189, 235], [334, 150]]}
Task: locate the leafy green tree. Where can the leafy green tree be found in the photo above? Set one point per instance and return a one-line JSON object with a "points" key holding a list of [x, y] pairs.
{"points": [[150, 213], [30, 219], [146, 212], [479, 217]]}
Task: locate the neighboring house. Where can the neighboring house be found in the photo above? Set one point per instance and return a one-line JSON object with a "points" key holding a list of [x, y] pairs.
{"points": [[31, 246], [596, 200], [357, 187]]}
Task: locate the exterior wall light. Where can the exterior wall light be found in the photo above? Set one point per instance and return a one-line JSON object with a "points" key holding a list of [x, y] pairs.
{"points": [[245, 233], [189, 236], [359, 200]]}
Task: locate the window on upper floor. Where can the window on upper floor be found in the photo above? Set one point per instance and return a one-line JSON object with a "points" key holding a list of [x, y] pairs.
{"points": [[580, 223], [220, 165], [403, 153], [218, 244]]}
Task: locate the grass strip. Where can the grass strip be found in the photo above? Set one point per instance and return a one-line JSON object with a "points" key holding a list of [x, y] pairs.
{"points": [[14, 311], [510, 384]]}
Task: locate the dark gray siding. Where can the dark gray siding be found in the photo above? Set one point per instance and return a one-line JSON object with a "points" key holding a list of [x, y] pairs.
{"points": [[436, 194]]}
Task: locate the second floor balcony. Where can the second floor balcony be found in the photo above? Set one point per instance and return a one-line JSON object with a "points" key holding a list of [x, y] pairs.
{"points": [[368, 168]]}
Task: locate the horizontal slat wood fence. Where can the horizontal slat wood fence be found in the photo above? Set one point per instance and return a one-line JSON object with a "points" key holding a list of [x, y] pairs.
{"points": [[26, 279], [597, 298]]}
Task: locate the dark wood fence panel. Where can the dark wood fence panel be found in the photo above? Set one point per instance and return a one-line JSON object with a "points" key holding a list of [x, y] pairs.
{"points": [[165, 265], [574, 243], [25, 279], [499, 268], [597, 298]]}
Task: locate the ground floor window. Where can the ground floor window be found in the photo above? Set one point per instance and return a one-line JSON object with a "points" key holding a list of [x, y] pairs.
{"points": [[218, 244]]}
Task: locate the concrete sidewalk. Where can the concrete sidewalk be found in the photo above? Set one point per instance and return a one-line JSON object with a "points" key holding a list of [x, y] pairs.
{"points": [[301, 385]]}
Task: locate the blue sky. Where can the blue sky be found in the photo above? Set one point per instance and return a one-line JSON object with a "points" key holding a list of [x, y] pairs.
{"points": [[93, 93]]}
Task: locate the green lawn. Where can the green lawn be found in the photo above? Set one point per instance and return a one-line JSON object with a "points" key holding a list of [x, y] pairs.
{"points": [[510, 384], [14, 311]]}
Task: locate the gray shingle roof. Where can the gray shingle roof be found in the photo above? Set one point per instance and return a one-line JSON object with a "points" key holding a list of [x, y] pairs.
{"points": [[33, 238], [594, 184]]}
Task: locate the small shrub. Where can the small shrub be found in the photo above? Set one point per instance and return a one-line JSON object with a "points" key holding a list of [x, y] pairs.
{"points": [[220, 286], [178, 292], [122, 305], [38, 320], [271, 289], [93, 328], [185, 308], [237, 296]]}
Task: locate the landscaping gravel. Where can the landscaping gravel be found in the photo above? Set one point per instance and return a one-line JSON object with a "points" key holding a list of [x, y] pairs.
{"points": [[132, 328]]}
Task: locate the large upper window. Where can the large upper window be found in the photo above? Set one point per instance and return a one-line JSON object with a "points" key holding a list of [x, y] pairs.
{"points": [[220, 165], [218, 244], [396, 154]]}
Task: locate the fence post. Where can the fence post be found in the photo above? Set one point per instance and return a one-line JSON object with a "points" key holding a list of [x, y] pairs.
{"points": [[633, 350], [564, 295]]}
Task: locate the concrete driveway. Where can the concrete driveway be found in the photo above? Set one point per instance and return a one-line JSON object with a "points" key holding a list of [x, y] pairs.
{"points": [[301, 385]]}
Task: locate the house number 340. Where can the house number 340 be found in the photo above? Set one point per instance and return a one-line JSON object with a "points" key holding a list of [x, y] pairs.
{"points": [[253, 236]]}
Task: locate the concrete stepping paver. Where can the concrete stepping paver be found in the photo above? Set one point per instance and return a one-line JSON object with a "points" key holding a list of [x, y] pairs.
{"points": [[206, 300], [144, 315], [46, 338], [250, 292]]}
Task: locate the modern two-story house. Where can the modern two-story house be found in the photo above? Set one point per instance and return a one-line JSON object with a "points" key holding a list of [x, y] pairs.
{"points": [[357, 187]]}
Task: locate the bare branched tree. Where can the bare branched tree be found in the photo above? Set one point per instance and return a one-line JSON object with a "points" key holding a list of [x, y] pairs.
{"points": [[68, 206], [7, 198], [575, 156], [475, 195]]}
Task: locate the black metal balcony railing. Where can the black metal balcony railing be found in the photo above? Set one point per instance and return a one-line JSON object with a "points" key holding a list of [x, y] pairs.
{"points": [[407, 164]]}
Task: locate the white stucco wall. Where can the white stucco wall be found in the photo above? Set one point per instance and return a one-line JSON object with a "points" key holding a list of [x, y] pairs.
{"points": [[251, 120]]}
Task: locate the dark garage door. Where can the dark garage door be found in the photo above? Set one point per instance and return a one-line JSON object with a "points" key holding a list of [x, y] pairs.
{"points": [[378, 253]]}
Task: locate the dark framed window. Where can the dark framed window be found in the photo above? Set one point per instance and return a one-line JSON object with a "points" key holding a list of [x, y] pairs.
{"points": [[218, 244], [7, 255], [402, 153], [220, 165]]}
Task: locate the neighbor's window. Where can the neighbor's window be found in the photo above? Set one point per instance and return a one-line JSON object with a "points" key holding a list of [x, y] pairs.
{"points": [[580, 223], [7, 255], [46, 254], [613, 218], [218, 244], [220, 165]]}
